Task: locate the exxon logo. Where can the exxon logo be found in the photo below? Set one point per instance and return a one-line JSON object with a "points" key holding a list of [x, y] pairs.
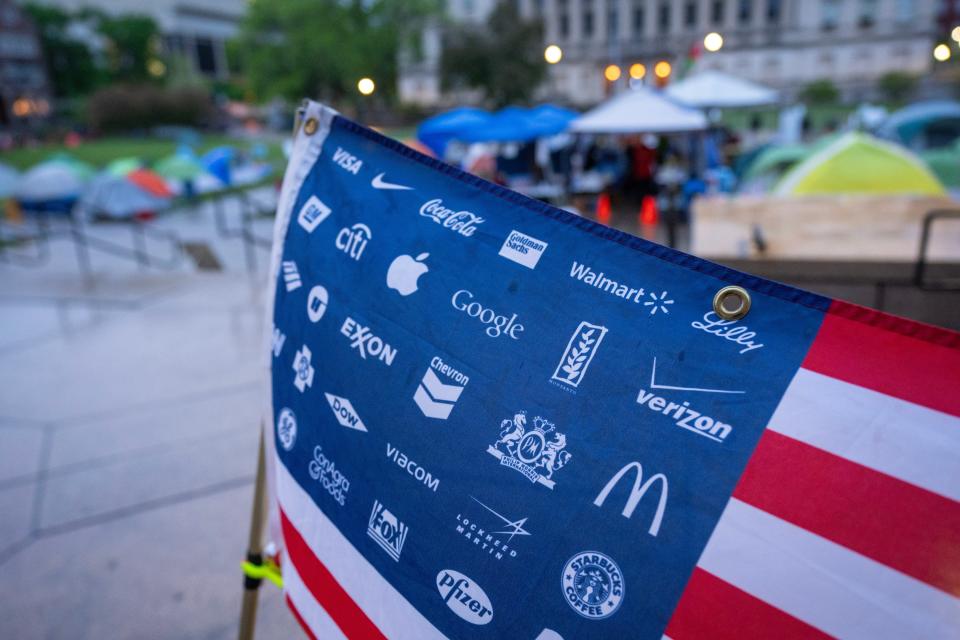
{"points": [[464, 597], [345, 413]]}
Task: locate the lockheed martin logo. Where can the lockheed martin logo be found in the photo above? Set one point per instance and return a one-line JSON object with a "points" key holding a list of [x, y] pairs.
{"points": [[436, 399], [345, 413], [536, 453]]}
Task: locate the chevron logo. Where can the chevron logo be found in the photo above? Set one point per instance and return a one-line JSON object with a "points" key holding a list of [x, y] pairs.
{"points": [[436, 398]]}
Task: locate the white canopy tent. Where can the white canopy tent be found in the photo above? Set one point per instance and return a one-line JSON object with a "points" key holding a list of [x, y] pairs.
{"points": [[713, 89], [639, 110]]}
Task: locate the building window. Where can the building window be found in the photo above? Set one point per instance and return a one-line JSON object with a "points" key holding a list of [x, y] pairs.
{"points": [[663, 19], [613, 20], [206, 59], [587, 23], [745, 11], [905, 10], [829, 14], [774, 11], [690, 15], [564, 26], [868, 12], [639, 18], [717, 11]]}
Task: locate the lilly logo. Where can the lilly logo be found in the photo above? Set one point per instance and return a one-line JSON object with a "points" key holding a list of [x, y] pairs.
{"points": [[464, 597], [404, 272]]}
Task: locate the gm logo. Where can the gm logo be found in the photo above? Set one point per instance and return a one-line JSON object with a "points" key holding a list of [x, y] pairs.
{"points": [[464, 597]]}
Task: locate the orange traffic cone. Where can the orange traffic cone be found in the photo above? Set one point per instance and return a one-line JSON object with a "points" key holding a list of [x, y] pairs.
{"points": [[603, 208], [648, 211]]}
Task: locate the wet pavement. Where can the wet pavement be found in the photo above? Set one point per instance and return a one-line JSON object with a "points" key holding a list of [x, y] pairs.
{"points": [[129, 407]]}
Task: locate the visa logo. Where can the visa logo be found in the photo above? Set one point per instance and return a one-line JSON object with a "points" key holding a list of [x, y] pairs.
{"points": [[347, 160]]}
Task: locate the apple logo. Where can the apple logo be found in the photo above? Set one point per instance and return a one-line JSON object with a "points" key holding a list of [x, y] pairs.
{"points": [[404, 272]]}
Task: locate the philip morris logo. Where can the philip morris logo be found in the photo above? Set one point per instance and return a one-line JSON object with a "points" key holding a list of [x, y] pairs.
{"points": [[366, 343], [344, 412], [325, 472], [303, 370], [464, 597], [490, 535], [496, 323], [523, 249], [415, 470], [579, 354], [654, 302], [386, 530], [740, 334], [462, 222], [592, 584], [639, 489], [536, 453], [353, 240], [435, 397], [680, 412], [312, 213], [347, 161]]}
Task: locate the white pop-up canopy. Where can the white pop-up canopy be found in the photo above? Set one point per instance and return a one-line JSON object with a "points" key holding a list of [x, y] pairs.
{"points": [[639, 110], [709, 89]]}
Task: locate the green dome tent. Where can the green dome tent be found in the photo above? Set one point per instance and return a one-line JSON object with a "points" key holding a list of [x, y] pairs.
{"points": [[861, 164]]}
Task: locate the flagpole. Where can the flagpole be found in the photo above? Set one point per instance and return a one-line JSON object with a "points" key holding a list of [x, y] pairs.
{"points": [[251, 586]]}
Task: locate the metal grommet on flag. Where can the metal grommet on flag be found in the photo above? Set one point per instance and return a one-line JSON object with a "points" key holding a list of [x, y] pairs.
{"points": [[731, 303], [310, 126]]}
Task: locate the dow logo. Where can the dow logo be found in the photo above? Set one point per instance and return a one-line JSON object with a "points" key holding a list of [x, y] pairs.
{"points": [[345, 413]]}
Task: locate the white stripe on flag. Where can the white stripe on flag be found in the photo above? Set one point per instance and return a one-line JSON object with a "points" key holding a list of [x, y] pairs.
{"points": [[321, 624], [385, 606], [901, 439], [824, 584]]}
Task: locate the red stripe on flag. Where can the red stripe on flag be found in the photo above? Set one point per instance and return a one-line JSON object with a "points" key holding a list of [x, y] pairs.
{"points": [[901, 358], [351, 619], [712, 608], [900, 525], [303, 623]]}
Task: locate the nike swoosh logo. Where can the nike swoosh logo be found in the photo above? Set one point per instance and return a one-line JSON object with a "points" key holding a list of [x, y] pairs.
{"points": [[379, 183]]}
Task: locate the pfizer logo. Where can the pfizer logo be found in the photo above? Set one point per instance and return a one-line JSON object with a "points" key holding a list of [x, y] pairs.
{"points": [[464, 597], [592, 585], [287, 429]]}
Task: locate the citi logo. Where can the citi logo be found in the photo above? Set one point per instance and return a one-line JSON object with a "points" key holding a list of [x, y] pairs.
{"points": [[435, 398], [366, 343], [496, 324], [347, 161], [353, 240], [386, 530], [523, 249], [639, 489], [463, 222], [345, 413], [464, 597]]}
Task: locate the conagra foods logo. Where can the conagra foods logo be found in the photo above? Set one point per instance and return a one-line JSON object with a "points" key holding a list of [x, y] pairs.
{"points": [[464, 597]]}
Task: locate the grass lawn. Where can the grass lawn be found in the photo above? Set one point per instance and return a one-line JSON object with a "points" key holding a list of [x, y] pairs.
{"points": [[102, 151]]}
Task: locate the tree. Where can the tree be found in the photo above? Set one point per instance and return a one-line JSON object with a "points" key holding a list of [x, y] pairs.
{"points": [[504, 58], [897, 86], [820, 92], [69, 61], [132, 41], [321, 48]]}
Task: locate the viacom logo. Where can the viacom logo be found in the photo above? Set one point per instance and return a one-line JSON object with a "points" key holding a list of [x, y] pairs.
{"points": [[344, 412], [435, 398], [353, 240], [386, 530], [414, 469], [464, 597], [523, 249]]}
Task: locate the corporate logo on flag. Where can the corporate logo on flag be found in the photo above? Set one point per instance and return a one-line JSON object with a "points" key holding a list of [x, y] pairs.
{"points": [[317, 301], [291, 276], [344, 412], [536, 453], [462, 222], [287, 429], [303, 376], [419, 473], [312, 213], [404, 271], [579, 354], [592, 585], [347, 161], [386, 530], [277, 343], [353, 240], [523, 249], [366, 343], [379, 182], [497, 324], [325, 472], [740, 334], [639, 489], [436, 398], [464, 597], [490, 535]]}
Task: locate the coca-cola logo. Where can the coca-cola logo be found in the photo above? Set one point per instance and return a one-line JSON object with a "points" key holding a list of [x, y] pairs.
{"points": [[463, 222]]}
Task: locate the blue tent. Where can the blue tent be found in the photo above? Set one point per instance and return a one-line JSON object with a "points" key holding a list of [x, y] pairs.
{"points": [[218, 160], [938, 120], [438, 131], [511, 124]]}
